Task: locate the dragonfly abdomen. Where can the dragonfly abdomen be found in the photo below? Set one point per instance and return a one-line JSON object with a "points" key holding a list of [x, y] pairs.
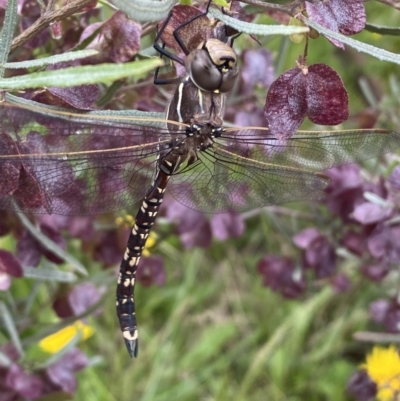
{"points": [[144, 221]]}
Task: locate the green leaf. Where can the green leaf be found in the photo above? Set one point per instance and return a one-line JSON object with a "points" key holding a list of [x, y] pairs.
{"points": [[46, 274], [74, 76], [383, 30], [360, 46], [210, 343], [7, 33], [104, 117], [145, 10], [53, 59], [257, 29], [51, 245], [10, 327], [222, 3]]}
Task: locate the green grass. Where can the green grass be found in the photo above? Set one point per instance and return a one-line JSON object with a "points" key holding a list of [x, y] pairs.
{"points": [[213, 332]]}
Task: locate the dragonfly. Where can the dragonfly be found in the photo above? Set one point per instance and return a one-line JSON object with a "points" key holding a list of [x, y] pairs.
{"points": [[58, 161]]}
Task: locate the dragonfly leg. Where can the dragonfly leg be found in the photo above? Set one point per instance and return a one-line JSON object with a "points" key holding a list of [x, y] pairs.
{"points": [[176, 32], [163, 52]]}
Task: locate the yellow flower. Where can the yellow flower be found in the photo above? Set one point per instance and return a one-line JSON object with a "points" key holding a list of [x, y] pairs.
{"points": [[57, 341], [151, 241], [383, 368], [128, 220]]}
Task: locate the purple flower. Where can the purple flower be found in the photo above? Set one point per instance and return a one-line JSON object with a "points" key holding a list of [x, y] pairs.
{"points": [[378, 310], [394, 179], [23, 384], [375, 272], [118, 39], [344, 16], [9, 267], [281, 276], [192, 226], [61, 373], [78, 299], [354, 242], [341, 283], [314, 91], [345, 190], [30, 250], [257, 68], [361, 387], [391, 320], [370, 213], [109, 247], [319, 254], [225, 225], [151, 271], [384, 243]]}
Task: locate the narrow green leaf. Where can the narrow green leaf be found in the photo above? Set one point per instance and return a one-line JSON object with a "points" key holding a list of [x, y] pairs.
{"points": [[10, 327], [52, 246], [46, 274], [257, 29], [280, 335], [104, 117], [7, 32], [383, 30], [75, 76], [145, 10], [222, 3], [53, 59], [360, 46]]}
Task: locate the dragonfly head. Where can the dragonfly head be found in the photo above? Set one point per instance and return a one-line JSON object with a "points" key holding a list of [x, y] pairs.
{"points": [[212, 66]]}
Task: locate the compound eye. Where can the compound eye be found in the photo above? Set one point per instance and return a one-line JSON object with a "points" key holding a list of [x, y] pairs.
{"points": [[204, 74], [228, 80]]}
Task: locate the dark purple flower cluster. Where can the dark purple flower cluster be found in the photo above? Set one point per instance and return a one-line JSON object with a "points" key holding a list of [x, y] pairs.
{"points": [[361, 387], [18, 382], [280, 274], [369, 231], [347, 17]]}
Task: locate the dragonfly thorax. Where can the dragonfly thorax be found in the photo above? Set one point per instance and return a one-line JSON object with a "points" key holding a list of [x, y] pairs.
{"points": [[178, 155], [212, 66], [193, 106]]}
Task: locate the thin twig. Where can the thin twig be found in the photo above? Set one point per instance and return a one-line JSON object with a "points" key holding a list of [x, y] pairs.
{"points": [[46, 19], [283, 211], [374, 337]]}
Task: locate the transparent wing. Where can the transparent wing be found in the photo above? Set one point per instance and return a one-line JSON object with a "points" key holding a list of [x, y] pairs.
{"points": [[315, 151], [250, 168], [50, 164], [65, 163], [221, 181]]}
